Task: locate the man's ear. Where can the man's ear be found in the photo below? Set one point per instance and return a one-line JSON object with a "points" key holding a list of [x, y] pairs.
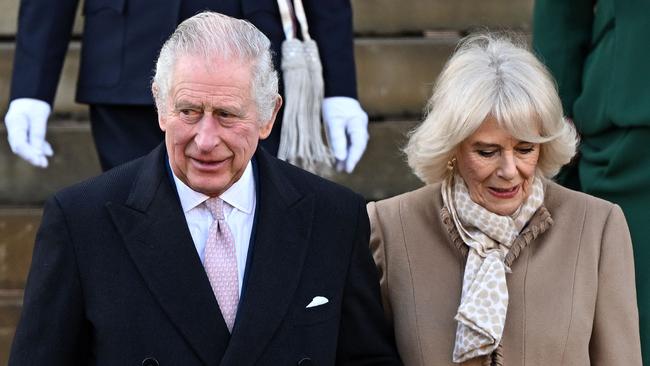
{"points": [[155, 90], [267, 126]]}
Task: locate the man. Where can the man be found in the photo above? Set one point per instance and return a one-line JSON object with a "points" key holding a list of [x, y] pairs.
{"points": [[121, 40], [208, 250]]}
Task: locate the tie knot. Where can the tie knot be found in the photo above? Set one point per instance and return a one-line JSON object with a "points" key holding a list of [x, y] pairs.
{"points": [[215, 206]]}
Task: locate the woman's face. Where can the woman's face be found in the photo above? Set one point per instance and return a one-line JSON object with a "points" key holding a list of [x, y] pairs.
{"points": [[497, 168]]}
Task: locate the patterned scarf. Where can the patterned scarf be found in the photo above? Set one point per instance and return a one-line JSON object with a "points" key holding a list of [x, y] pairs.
{"points": [[484, 301]]}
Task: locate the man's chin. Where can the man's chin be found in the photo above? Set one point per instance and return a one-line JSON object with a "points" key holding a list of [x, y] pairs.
{"points": [[208, 182], [208, 189]]}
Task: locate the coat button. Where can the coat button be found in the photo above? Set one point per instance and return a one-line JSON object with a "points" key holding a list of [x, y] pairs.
{"points": [[150, 361], [306, 362]]}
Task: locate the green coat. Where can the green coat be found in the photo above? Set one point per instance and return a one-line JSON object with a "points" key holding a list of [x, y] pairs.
{"points": [[599, 52]]}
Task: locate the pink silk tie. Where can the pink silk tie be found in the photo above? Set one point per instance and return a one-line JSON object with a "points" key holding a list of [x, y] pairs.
{"points": [[220, 262]]}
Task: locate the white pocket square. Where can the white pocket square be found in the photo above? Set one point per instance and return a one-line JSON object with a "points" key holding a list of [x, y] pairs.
{"points": [[317, 301]]}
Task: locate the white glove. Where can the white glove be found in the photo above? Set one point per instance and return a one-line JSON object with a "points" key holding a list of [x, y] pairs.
{"points": [[26, 122], [347, 128]]}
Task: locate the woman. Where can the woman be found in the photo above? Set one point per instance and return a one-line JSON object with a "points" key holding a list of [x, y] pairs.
{"points": [[491, 263]]}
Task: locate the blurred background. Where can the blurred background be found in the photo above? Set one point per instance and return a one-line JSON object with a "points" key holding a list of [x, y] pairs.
{"points": [[400, 47]]}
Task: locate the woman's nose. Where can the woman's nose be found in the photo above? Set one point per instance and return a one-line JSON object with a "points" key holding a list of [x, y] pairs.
{"points": [[507, 166]]}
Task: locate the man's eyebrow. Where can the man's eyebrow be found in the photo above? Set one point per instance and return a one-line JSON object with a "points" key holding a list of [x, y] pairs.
{"points": [[179, 104]]}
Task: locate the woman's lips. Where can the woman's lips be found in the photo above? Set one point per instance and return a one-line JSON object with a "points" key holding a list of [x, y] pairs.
{"points": [[504, 192]]}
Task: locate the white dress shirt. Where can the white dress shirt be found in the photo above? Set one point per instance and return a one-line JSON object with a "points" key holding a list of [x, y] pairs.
{"points": [[239, 211]]}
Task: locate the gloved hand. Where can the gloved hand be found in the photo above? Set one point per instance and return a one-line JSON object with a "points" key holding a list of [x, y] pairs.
{"points": [[347, 128], [26, 122]]}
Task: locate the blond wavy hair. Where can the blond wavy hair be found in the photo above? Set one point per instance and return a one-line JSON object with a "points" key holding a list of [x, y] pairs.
{"points": [[491, 75]]}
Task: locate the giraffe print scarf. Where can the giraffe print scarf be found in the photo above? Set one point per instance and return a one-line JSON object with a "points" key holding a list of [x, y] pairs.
{"points": [[481, 315]]}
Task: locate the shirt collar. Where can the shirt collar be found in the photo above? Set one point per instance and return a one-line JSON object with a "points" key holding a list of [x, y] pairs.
{"points": [[241, 195]]}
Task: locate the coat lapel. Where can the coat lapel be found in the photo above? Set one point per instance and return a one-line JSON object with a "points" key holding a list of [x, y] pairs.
{"points": [[155, 233], [281, 242]]}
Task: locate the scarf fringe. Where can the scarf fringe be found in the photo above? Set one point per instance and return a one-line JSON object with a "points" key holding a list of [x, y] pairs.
{"points": [[539, 223], [454, 235], [495, 358]]}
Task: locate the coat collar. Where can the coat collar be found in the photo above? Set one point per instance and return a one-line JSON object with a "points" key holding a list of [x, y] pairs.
{"points": [[538, 224], [156, 236]]}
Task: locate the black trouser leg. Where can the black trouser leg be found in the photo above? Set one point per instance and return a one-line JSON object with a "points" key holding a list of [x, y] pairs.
{"points": [[123, 133]]}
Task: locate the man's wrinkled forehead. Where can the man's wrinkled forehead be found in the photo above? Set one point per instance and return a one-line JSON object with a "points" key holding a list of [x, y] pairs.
{"points": [[201, 64]]}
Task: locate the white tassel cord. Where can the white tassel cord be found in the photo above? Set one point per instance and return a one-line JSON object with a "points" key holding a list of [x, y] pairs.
{"points": [[318, 158], [301, 139], [295, 74]]}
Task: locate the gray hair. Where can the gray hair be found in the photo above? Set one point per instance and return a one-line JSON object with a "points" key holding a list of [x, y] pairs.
{"points": [[211, 35], [495, 76]]}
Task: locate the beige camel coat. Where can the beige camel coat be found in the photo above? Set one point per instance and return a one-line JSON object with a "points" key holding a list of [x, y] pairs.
{"points": [[572, 292]]}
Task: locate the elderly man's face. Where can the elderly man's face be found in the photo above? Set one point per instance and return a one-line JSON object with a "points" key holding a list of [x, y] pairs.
{"points": [[211, 123], [497, 168]]}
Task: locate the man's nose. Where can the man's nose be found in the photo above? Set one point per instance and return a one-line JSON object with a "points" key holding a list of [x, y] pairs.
{"points": [[208, 130]]}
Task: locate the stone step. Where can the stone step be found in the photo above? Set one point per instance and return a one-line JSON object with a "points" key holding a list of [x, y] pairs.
{"points": [[381, 172], [18, 228], [386, 16], [10, 307], [394, 74], [74, 160], [17, 232]]}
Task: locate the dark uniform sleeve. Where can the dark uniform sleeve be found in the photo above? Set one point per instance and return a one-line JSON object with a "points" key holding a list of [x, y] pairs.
{"points": [[44, 31], [330, 25]]}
